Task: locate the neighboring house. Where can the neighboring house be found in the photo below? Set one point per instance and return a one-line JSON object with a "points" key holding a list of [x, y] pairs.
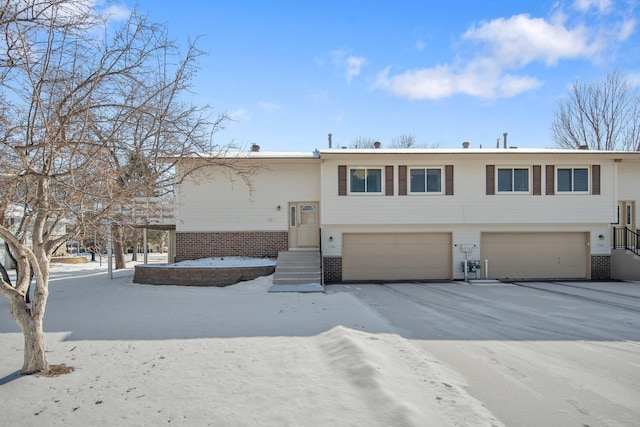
{"points": [[13, 216], [417, 214]]}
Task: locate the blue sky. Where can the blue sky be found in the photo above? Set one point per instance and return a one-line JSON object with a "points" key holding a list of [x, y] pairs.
{"points": [[290, 72]]}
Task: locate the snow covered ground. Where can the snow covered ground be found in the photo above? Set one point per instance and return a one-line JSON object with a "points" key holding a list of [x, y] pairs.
{"points": [[370, 355]]}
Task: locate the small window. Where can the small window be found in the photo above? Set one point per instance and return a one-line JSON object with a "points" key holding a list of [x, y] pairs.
{"points": [[574, 180], [425, 180], [513, 180], [365, 180]]}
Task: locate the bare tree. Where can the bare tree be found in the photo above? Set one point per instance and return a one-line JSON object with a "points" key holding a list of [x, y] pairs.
{"points": [[363, 142], [601, 115], [82, 102]]}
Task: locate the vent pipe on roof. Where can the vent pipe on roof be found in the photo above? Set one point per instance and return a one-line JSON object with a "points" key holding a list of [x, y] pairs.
{"points": [[329, 140], [583, 147], [377, 144], [497, 142], [255, 147], [466, 144], [505, 139]]}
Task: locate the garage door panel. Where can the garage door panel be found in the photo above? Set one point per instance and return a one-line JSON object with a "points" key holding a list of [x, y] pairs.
{"points": [[396, 256], [536, 255]]}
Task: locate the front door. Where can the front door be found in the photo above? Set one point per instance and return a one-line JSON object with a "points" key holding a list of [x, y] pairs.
{"points": [[627, 214], [303, 225]]}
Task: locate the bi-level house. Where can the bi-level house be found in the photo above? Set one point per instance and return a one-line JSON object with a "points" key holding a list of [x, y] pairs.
{"points": [[419, 214]]}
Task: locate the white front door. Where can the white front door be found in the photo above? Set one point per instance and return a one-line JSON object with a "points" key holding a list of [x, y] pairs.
{"points": [[304, 225]]}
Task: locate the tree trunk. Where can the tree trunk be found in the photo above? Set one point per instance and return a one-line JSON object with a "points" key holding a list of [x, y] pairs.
{"points": [[118, 247], [134, 255], [35, 359]]}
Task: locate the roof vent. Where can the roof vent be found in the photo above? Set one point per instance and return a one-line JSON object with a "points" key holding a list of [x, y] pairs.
{"points": [[255, 147], [583, 147], [466, 144], [377, 144]]}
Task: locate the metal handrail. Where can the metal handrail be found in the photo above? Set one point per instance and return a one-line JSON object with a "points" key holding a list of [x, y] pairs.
{"points": [[321, 257], [626, 238]]}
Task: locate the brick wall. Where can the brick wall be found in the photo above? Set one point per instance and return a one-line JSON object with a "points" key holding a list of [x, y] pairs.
{"points": [[197, 276], [600, 267], [258, 244], [332, 269]]}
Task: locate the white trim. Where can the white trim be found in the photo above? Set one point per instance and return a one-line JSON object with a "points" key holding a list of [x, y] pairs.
{"points": [[512, 168], [425, 192], [366, 193], [573, 168]]}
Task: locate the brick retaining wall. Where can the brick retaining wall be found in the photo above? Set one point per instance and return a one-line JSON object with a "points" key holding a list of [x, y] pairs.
{"points": [[150, 274], [256, 244]]}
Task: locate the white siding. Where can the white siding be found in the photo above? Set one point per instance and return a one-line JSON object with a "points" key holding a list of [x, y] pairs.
{"points": [[469, 204], [218, 201], [628, 181], [468, 212]]}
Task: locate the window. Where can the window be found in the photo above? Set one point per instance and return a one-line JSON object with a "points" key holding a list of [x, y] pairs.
{"points": [[425, 180], [573, 180], [365, 180], [513, 180]]}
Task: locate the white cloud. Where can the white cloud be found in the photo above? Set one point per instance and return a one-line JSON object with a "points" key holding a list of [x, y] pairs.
{"points": [[444, 81], [420, 45], [585, 5], [520, 40], [269, 106], [509, 85], [626, 29], [501, 47], [352, 65], [116, 12], [634, 78], [239, 115]]}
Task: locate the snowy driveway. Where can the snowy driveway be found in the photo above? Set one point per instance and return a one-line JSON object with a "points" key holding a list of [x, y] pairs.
{"points": [[536, 354]]}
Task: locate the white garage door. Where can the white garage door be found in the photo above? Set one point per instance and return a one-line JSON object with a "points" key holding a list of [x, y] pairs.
{"points": [[537, 255], [396, 256]]}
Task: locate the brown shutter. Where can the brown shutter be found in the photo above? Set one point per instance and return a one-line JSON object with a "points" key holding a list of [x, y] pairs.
{"points": [[388, 180], [402, 180], [491, 176], [595, 179], [342, 180], [448, 180], [550, 180], [537, 180]]}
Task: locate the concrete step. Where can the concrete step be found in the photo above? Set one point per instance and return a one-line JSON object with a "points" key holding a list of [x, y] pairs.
{"points": [[298, 268], [294, 281], [298, 255]]}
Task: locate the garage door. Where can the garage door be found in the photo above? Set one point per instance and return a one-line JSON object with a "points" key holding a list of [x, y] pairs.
{"points": [[537, 255], [396, 256]]}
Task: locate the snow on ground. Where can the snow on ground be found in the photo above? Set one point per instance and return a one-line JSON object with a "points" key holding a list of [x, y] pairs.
{"points": [[536, 354], [437, 354], [233, 356]]}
